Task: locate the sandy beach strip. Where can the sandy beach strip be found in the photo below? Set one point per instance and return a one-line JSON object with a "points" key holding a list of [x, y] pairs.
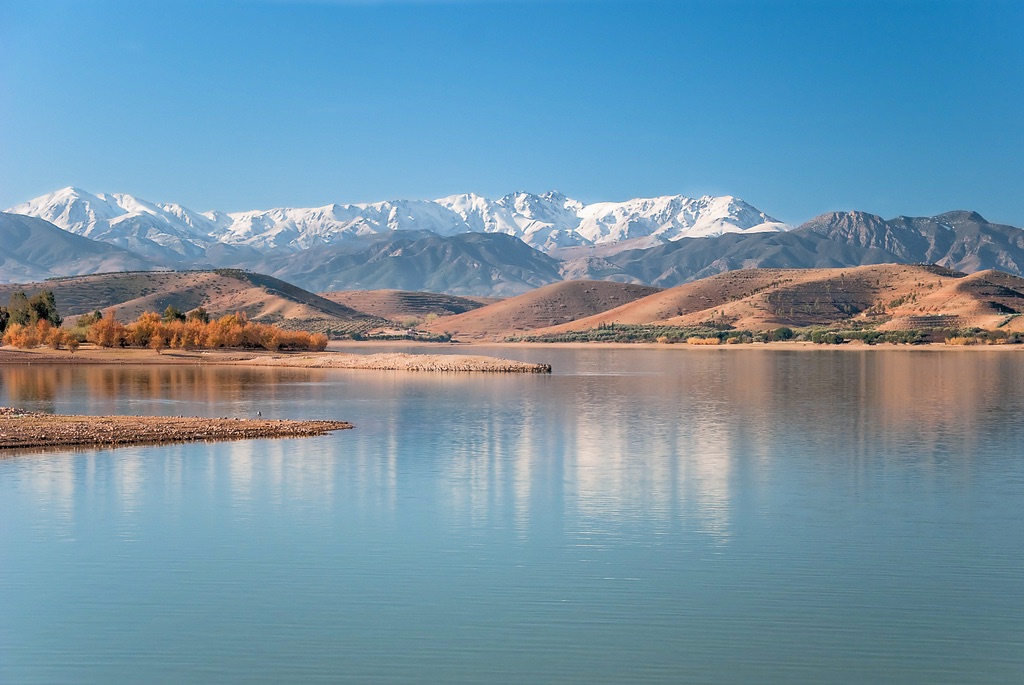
{"points": [[25, 429]]}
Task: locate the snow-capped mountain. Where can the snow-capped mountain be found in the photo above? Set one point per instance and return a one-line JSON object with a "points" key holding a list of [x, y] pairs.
{"points": [[672, 217], [545, 222], [163, 231]]}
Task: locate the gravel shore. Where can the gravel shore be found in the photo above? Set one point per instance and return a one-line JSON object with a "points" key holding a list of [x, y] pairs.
{"points": [[25, 429], [383, 361], [400, 361]]}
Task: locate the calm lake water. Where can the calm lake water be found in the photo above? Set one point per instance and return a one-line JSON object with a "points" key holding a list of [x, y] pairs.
{"points": [[672, 516]]}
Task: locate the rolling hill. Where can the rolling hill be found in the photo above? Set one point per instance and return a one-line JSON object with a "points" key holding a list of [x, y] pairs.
{"points": [[888, 296], [555, 303], [263, 298], [402, 304]]}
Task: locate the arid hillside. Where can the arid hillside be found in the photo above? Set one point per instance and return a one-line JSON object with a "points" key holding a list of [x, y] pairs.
{"points": [[397, 305], [559, 302], [262, 298], [891, 296], [987, 299]]}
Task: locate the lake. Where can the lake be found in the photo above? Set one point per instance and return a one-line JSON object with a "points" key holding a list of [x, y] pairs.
{"points": [[640, 515]]}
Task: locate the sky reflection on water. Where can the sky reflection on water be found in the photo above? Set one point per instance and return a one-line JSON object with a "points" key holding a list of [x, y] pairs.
{"points": [[840, 516]]}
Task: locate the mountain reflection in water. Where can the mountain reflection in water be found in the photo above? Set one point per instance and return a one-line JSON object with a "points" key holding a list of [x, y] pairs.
{"points": [[841, 514]]}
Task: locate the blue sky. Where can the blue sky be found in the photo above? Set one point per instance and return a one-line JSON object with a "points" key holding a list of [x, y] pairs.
{"points": [[797, 107]]}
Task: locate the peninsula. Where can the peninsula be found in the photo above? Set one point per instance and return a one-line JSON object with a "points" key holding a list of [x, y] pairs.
{"points": [[21, 429]]}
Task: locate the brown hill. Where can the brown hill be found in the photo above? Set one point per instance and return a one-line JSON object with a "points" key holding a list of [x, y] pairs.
{"points": [[894, 296], [397, 305], [262, 298], [551, 304], [987, 299]]}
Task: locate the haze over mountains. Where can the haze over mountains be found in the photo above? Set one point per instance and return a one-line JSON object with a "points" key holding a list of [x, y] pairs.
{"points": [[470, 245]]}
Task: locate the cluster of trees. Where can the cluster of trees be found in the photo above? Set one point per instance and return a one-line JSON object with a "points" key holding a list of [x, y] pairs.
{"points": [[41, 333], [977, 336], [34, 321], [195, 331], [22, 310], [29, 322], [614, 332], [710, 335]]}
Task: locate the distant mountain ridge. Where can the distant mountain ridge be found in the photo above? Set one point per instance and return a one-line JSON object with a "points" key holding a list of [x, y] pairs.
{"points": [[168, 231], [469, 245], [464, 264], [33, 249], [959, 240]]}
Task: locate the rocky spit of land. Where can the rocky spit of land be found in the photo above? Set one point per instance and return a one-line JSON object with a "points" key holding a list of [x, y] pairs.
{"points": [[25, 429], [383, 361], [400, 361]]}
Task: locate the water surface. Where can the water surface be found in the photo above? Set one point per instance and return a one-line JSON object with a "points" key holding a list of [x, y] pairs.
{"points": [[704, 516]]}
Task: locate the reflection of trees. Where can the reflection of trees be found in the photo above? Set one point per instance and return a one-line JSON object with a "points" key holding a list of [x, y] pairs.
{"points": [[34, 386], [207, 385], [190, 390]]}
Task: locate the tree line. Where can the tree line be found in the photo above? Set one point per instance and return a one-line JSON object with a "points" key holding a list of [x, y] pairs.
{"points": [[29, 322], [196, 331]]}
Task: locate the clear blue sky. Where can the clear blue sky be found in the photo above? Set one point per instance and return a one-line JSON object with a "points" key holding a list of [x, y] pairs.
{"points": [[797, 107]]}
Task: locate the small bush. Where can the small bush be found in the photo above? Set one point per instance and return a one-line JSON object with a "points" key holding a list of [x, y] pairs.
{"points": [[703, 341]]}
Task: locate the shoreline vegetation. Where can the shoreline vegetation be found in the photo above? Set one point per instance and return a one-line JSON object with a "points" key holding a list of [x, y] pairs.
{"points": [[626, 334], [33, 325], [29, 324], [20, 429]]}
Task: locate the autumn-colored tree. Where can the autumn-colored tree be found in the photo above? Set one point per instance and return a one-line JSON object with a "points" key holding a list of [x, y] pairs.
{"points": [[21, 335], [108, 332], [153, 331], [143, 329]]}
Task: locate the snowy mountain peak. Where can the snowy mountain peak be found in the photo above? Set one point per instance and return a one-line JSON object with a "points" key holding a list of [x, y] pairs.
{"points": [[546, 221]]}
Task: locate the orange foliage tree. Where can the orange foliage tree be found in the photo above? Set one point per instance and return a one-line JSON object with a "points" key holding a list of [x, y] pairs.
{"points": [[195, 333]]}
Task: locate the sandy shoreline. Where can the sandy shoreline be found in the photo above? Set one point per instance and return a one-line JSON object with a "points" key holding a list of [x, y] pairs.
{"points": [[393, 357], [856, 345], [25, 430], [383, 361]]}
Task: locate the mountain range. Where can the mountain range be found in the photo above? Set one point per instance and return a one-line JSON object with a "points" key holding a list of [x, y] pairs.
{"points": [[167, 231], [470, 245]]}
